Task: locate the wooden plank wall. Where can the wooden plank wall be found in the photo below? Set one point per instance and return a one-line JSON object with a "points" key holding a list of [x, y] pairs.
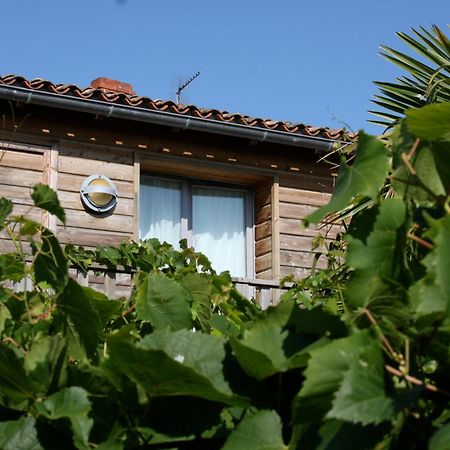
{"points": [[263, 232], [64, 167], [21, 167], [282, 247], [296, 255], [114, 284], [75, 163]]}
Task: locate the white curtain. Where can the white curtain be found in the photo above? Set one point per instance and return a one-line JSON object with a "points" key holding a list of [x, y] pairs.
{"points": [[218, 228], [160, 210]]}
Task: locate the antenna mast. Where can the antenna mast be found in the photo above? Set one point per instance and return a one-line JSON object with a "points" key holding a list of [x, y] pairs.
{"points": [[185, 85]]}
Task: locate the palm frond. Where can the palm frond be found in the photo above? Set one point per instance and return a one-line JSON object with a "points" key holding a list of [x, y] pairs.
{"points": [[426, 80], [443, 39], [424, 50], [432, 42]]}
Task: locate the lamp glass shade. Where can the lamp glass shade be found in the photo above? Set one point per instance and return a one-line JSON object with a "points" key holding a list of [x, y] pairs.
{"points": [[98, 194], [99, 198]]}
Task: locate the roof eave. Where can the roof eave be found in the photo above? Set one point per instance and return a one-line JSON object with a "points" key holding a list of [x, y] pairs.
{"points": [[164, 118]]}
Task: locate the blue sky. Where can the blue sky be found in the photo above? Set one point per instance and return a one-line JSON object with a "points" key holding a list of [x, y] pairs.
{"points": [[310, 62]]}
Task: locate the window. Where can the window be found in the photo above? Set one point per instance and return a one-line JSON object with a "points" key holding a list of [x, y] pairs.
{"points": [[215, 219]]}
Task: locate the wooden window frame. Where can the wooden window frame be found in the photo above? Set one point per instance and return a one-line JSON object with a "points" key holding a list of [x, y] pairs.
{"points": [[186, 211]]}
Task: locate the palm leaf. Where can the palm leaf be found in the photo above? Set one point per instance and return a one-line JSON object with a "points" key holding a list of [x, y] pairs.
{"points": [[445, 42], [424, 50], [409, 82], [389, 105], [381, 123], [405, 62], [385, 115], [432, 42], [439, 39], [425, 80], [412, 98]]}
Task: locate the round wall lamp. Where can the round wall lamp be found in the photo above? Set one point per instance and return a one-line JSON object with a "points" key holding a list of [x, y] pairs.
{"points": [[98, 194]]}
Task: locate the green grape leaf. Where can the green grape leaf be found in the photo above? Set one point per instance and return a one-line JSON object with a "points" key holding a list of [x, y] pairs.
{"points": [[14, 382], [73, 403], [361, 397], [375, 257], [4, 312], [176, 363], [260, 351], [441, 154], [19, 435], [377, 254], [46, 362], [337, 434], [440, 439], [281, 337], [46, 198], [50, 264], [6, 207], [163, 302], [114, 440], [426, 166], [364, 177], [200, 289], [431, 122], [108, 255], [105, 308], [430, 296], [28, 227], [260, 431], [75, 303], [427, 170], [325, 372], [12, 267], [36, 362]]}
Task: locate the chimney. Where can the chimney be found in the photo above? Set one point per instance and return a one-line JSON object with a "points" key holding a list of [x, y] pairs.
{"points": [[108, 85]]}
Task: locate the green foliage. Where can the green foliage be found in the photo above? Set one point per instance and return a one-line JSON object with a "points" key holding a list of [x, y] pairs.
{"points": [[6, 208], [19, 435], [355, 356], [363, 178], [441, 439], [393, 280], [432, 125], [282, 338], [46, 199], [259, 431], [163, 302], [181, 363], [427, 80], [80, 370], [73, 403]]}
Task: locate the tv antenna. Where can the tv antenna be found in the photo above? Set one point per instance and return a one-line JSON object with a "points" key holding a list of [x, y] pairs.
{"points": [[184, 86]]}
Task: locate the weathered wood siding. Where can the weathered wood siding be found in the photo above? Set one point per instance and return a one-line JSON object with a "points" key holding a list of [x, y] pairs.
{"points": [[282, 247], [297, 199], [114, 284], [75, 163], [263, 232], [21, 167]]}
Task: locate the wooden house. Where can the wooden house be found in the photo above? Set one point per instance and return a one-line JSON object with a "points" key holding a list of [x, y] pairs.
{"points": [[236, 187]]}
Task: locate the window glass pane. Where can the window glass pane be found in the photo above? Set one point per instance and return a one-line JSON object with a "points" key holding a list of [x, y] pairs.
{"points": [[160, 210], [218, 227]]}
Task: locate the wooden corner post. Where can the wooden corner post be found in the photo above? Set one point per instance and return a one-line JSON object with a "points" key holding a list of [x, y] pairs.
{"points": [[136, 188], [275, 201]]}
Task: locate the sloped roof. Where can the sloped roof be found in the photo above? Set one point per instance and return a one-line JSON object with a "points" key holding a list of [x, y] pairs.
{"points": [[88, 93]]}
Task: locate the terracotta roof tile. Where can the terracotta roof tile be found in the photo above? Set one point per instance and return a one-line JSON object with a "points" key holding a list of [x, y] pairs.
{"points": [[170, 106]]}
